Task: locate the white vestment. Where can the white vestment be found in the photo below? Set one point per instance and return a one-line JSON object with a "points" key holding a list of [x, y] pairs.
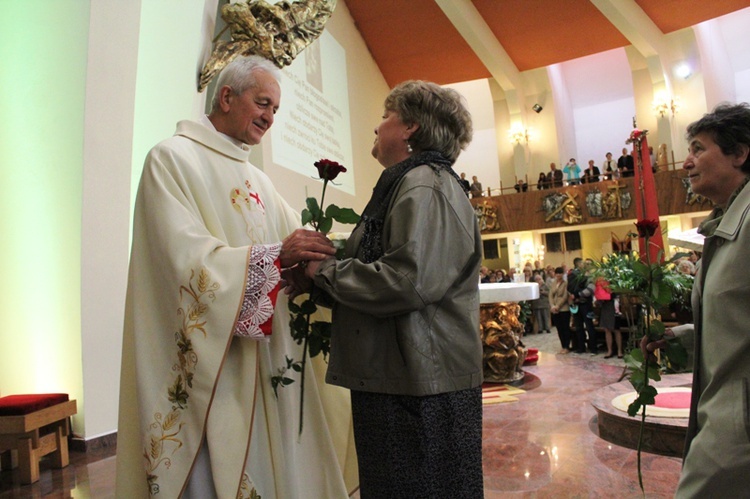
{"points": [[196, 366]]}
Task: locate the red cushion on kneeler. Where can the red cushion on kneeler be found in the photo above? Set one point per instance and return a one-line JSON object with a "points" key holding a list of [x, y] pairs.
{"points": [[18, 405]]}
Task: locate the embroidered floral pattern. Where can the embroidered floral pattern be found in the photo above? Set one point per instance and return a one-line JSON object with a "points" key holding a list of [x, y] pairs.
{"points": [[262, 278], [247, 490], [165, 429], [248, 203]]}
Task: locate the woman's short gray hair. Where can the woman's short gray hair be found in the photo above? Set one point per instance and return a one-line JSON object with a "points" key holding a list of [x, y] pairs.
{"points": [[239, 75], [444, 122]]}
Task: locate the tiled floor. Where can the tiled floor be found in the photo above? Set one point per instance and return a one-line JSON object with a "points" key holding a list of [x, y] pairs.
{"points": [[544, 445]]}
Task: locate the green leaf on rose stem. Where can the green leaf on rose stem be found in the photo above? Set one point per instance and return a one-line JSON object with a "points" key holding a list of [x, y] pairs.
{"points": [[308, 307], [656, 331], [332, 210], [342, 215], [632, 363], [312, 205], [648, 395], [297, 366], [654, 373], [307, 217], [314, 345], [325, 225], [286, 381], [294, 308], [633, 408], [637, 355], [676, 353], [638, 379]]}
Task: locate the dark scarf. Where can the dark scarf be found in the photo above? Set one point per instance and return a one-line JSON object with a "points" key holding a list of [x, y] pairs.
{"points": [[373, 217]]}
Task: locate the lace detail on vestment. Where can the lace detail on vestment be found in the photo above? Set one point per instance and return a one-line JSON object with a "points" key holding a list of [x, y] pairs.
{"points": [[263, 277]]}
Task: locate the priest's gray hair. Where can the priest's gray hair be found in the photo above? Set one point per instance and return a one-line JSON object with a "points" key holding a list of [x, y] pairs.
{"points": [[240, 75], [444, 122]]}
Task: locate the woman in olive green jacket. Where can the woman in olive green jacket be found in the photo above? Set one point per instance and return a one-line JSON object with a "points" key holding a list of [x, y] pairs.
{"points": [[405, 336]]}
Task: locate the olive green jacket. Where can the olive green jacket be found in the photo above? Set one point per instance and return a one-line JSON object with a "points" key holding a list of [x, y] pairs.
{"points": [[408, 323]]}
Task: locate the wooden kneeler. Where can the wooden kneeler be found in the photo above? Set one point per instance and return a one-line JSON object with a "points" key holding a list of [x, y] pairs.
{"points": [[32, 426]]}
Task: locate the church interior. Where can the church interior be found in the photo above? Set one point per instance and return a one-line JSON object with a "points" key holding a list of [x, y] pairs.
{"points": [[101, 81]]}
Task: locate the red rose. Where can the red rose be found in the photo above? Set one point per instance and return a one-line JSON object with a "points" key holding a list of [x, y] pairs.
{"points": [[328, 170], [646, 228]]}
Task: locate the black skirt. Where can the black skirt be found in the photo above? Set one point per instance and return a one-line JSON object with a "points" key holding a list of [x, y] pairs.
{"points": [[419, 447]]}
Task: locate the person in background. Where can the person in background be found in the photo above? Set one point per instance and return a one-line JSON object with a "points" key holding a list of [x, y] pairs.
{"points": [[625, 164], [591, 174], [554, 177], [652, 157], [560, 309], [610, 167], [541, 306], [476, 188], [582, 291], [405, 338], [572, 172], [541, 182], [606, 303], [484, 274], [198, 417], [465, 184], [717, 448], [521, 186], [686, 267]]}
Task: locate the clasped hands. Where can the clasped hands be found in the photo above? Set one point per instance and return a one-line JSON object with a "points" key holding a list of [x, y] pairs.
{"points": [[301, 254]]}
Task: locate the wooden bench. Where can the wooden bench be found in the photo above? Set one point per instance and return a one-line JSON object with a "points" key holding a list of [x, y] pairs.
{"points": [[32, 426]]}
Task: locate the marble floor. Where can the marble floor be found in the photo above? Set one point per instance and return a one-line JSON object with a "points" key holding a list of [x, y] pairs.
{"points": [[543, 445]]}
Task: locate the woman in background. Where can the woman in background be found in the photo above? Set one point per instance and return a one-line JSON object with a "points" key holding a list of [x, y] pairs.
{"points": [[541, 306], [560, 308], [405, 336]]}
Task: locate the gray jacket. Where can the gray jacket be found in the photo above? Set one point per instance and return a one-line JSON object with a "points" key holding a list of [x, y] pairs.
{"points": [[408, 323]]}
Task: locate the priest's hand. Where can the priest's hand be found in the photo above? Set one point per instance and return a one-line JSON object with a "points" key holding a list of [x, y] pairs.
{"points": [[294, 282], [305, 245]]}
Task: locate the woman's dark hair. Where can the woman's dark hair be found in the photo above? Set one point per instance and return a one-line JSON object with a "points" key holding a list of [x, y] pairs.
{"points": [[729, 126]]}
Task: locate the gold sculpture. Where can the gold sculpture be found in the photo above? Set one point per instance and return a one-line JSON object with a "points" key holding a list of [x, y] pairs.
{"points": [[277, 32], [503, 351]]}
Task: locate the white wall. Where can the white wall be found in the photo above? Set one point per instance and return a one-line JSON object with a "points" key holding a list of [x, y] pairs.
{"points": [[107, 158], [479, 158]]}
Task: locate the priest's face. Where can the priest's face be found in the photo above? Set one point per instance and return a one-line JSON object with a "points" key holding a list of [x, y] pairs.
{"points": [[251, 113]]}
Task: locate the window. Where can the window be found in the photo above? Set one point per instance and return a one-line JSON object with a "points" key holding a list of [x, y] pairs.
{"points": [[491, 249], [560, 242]]}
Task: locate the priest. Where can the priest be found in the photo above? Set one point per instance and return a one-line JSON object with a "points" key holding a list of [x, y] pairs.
{"points": [[204, 327]]}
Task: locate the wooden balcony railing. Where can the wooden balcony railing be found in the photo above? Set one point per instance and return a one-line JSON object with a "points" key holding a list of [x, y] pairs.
{"points": [[598, 202]]}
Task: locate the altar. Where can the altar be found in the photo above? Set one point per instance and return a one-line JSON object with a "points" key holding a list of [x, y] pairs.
{"points": [[501, 331]]}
